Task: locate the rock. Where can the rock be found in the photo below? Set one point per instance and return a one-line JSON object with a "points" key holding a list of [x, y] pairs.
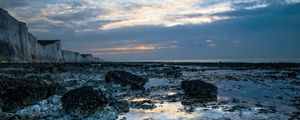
{"points": [[142, 103], [291, 75], [197, 88], [16, 93], [126, 78], [121, 105], [9, 116], [83, 101], [56, 88], [172, 72]]}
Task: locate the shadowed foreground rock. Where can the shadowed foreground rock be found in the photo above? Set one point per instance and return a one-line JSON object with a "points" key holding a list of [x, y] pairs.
{"points": [[197, 88], [83, 101], [16, 93], [126, 78], [9, 116]]}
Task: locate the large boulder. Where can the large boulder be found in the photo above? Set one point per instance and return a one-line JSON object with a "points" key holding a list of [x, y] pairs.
{"points": [[16, 93], [83, 101], [126, 78], [197, 88]]}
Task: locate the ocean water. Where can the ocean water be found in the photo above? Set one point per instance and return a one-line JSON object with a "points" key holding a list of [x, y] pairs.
{"points": [[250, 60]]}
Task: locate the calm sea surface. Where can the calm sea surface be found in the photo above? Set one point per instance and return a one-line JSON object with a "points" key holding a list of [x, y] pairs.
{"points": [[293, 60]]}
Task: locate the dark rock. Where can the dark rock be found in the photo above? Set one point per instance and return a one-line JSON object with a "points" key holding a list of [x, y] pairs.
{"points": [[56, 88], [9, 116], [126, 78], [145, 104], [173, 72], [291, 75], [295, 116], [84, 101], [20, 92], [70, 83], [197, 88], [121, 105]]}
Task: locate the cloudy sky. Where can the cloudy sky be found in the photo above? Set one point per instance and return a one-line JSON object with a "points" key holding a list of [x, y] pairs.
{"points": [[123, 30]]}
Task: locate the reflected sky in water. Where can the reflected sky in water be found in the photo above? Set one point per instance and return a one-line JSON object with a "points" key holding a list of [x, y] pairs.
{"points": [[165, 111]]}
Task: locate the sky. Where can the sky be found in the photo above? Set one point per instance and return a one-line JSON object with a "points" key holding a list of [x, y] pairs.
{"points": [[126, 30]]}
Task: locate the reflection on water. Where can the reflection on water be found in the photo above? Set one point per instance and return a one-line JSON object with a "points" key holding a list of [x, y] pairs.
{"points": [[165, 111], [138, 100], [171, 93], [177, 111], [237, 100], [156, 82]]}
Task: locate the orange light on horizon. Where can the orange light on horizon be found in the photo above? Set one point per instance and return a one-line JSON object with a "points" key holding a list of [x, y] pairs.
{"points": [[131, 49]]}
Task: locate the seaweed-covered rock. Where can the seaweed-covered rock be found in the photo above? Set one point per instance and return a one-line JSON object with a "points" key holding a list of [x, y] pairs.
{"points": [[126, 78], [83, 101], [291, 75], [174, 72], [9, 116], [199, 88], [20, 92], [122, 106]]}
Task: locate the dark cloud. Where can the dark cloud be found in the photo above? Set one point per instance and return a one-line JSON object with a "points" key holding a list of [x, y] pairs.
{"points": [[77, 16], [13, 3], [81, 14], [268, 32], [275, 10]]}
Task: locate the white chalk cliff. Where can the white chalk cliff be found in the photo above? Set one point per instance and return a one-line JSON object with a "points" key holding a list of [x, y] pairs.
{"points": [[18, 45]]}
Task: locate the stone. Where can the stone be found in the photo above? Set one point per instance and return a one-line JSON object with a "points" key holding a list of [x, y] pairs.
{"points": [[124, 77], [121, 105], [172, 72], [197, 88], [291, 75], [9, 116], [16, 93], [142, 103], [56, 88], [83, 101]]}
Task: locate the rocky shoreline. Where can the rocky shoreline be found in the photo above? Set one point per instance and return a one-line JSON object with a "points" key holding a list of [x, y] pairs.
{"points": [[169, 91]]}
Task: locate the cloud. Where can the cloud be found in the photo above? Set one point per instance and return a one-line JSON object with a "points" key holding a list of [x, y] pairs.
{"points": [[256, 6], [211, 43], [13, 3], [169, 22], [167, 14], [92, 15], [128, 49], [120, 14], [137, 29], [292, 1]]}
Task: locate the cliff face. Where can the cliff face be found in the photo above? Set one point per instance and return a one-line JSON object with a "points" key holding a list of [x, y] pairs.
{"points": [[34, 48], [69, 56], [14, 41], [87, 57], [17, 45], [49, 50]]}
